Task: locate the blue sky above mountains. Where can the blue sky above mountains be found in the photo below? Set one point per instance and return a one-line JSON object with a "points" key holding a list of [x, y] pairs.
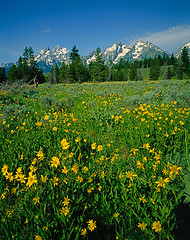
{"points": [[89, 24]]}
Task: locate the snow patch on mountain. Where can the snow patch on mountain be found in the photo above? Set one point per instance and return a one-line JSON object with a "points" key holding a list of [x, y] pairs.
{"points": [[178, 52], [138, 49], [125, 50]]}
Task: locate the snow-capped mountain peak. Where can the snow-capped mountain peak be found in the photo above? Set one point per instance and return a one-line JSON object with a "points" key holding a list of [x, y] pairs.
{"points": [[47, 58], [178, 52]]}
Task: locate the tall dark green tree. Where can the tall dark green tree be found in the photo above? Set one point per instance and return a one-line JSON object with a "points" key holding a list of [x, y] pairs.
{"points": [[169, 73], [172, 59], [154, 69], [12, 74], [185, 60], [76, 67], [27, 68], [133, 74], [98, 70], [54, 75], [3, 77], [64, 73], [178, 68], [20, 68]]}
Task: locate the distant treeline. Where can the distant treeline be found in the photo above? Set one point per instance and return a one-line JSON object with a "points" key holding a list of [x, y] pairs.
{"points": [[160, 67], [27, 69]]}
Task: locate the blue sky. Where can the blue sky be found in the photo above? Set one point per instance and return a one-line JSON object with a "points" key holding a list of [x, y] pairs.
{"points": [[89, 24]]}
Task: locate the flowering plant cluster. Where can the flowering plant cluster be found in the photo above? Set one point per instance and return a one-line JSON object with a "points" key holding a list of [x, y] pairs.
{"points": [[98, 169]]}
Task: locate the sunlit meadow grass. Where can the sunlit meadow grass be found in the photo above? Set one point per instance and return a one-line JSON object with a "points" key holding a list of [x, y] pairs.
{"points": [[94, 161]]}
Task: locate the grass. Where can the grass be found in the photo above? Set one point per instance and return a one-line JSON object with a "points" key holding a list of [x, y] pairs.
{"points": [[95, 161]]}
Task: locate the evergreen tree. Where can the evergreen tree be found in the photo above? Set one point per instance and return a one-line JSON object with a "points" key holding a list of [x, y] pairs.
{"points": [[169, 72], [12, 75], [178, 68], [2, 75], [172, 59], [76, 67], [63, 73], [98, 70], [133, 75], [20, 68], [154, 69], [27, 68], [185, 60], [54, 74]]}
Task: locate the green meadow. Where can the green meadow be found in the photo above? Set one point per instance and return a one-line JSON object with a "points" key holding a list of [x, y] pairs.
{"points": [[95, 161]]}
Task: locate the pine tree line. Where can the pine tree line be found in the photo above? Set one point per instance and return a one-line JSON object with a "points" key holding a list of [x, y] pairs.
{"points": [[79, 71], [97, 71], [27, 69]]}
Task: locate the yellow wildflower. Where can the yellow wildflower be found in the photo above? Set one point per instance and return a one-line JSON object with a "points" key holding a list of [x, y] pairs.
{"points": [[116, 215], [33, 169], [77, 140], [147, 146], [85, 169], [64, 170], [83, 231], [91, 225], [156, 226], [90, 190], [93, 145], [74, 168], [64, 210], [55, 181], [130, 175], [9, 176], [46, 117], [31, 179], [4, 169], [55, 162], [181, 123], [143, 199], [36, 200], [40, 155], [64, 144], [142, 225], [174, 169], [161, 182], [39, 124], [44, 179], [79, 179], [133, 151], [3, 195], [100, 147], [140, 165], [37, 237], [66, 201], [152, 201]]}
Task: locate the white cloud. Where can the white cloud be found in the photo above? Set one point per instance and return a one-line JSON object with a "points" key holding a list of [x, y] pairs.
{"points": [[47, 30], [169, 40]]}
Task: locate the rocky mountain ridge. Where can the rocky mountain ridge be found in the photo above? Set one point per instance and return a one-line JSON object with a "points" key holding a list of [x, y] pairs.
{"points": [[46, 57]]}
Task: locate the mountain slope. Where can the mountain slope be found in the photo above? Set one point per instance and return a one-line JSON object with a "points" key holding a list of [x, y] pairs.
{"points": [[178, 52], [142, 50], [46, 58], [119, 50]]}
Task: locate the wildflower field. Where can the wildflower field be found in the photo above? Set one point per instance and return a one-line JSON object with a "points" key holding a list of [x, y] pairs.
{"points": [[95, 161]]}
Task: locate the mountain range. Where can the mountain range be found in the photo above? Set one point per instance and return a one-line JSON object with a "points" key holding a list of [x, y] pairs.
{"points": [[46, 58]]}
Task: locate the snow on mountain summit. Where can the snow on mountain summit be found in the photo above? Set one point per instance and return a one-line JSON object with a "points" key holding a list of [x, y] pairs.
{"points": [[114, 53], [178, 52]]}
